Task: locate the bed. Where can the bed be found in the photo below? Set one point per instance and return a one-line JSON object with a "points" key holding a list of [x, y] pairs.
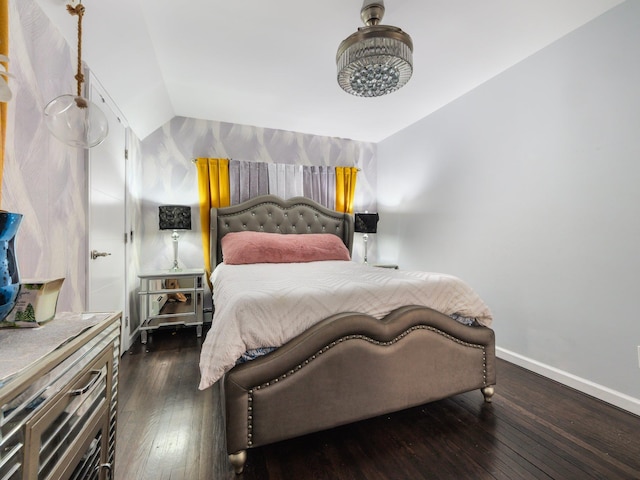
{"points": [[351, 353]]}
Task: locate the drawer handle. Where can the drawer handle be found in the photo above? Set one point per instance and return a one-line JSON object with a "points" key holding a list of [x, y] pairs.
{"points": [[96, 375], [105, 466]]}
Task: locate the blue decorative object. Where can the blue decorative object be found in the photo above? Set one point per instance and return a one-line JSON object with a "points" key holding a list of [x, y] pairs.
{"points": [[9, 272]]}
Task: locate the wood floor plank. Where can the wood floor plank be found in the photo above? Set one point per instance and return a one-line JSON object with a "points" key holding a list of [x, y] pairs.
{"points": [[534, 429]]}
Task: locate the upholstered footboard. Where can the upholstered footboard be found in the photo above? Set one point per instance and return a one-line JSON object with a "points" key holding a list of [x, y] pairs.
{"points": [[351, 367]]}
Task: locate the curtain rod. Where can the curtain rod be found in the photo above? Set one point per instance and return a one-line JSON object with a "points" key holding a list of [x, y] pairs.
{"points": [[195, 160]]}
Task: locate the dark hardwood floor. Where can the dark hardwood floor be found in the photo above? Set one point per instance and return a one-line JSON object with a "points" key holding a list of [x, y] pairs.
{"points": [[534, 429]]}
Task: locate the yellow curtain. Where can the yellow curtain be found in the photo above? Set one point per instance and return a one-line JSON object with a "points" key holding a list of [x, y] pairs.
{"points": [[4, 50], [345, 188], [213, 191]]}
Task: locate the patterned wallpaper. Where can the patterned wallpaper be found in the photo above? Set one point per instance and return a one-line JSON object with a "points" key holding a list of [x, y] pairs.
{"points": [[45, 179], [169, 175]]}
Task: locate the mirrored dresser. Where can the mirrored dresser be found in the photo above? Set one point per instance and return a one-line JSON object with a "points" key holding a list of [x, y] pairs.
{"points": [[58, 397]]}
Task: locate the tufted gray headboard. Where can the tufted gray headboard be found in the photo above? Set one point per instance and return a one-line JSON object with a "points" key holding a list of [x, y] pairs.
{"points": [[272, 214]]}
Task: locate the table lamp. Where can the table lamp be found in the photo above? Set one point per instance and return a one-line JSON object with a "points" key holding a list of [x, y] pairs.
{"points": [[366, 223], [175, 217]]}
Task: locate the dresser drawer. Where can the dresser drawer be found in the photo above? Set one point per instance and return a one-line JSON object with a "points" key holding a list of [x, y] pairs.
{"points": [[59, 436]]}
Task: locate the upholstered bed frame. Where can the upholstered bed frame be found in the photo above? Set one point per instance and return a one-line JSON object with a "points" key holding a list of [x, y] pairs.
{"points": [[350, 366]]}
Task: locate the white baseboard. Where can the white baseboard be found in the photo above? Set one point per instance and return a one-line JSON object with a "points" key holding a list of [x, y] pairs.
{"points": [[133, 337], [605, 394]]}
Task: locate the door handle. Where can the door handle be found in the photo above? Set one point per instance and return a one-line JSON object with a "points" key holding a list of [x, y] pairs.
{"points": [[95, 254]]}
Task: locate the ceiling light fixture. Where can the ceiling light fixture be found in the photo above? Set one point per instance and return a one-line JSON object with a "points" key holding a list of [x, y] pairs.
{"points": [[377, 59], [72, 118]]}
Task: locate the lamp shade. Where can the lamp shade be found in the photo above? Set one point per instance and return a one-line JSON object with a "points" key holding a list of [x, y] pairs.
{"points": [[175, 217], [76, 121], [72, 118], [366, 222]]}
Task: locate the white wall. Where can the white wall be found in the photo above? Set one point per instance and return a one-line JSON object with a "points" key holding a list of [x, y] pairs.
{"points": [[529, 188]]}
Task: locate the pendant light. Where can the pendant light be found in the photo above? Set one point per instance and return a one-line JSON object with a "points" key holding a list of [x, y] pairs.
{"points": [[73, 119], [377, 59]]}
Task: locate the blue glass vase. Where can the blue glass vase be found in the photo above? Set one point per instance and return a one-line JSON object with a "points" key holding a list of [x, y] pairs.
{"points": [[9, 273]]}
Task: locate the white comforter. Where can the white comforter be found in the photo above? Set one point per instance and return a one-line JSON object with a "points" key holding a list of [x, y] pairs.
{"points": [[265, 305]]}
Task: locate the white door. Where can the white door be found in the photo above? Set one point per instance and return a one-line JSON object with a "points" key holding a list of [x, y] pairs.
{"points": [[106, 276]]}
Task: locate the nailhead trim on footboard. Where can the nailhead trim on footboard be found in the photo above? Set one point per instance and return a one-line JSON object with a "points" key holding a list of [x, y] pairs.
{"points": [[355, 337]]}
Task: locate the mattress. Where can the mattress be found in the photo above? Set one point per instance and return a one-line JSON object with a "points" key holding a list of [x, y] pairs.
{"points": [[266, 305]]}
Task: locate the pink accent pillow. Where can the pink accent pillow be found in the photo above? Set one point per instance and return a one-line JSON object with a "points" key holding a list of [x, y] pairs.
{"points": [[239, 248]]}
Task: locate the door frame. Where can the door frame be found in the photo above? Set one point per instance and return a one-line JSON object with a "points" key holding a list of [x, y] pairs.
{"points": [[105, 101]]}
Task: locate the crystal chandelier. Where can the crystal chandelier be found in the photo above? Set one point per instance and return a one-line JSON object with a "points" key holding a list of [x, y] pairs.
{"points": [[73, 119], [377, 59]]}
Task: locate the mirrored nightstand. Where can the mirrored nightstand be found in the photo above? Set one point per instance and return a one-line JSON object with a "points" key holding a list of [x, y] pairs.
{"points": [[170, 298]]}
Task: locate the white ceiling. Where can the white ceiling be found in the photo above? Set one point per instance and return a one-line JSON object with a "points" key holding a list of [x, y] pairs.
{"points": [[272, 64]]}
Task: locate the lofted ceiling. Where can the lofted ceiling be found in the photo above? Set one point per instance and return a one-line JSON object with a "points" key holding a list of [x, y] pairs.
{"points": [[272, 64]]}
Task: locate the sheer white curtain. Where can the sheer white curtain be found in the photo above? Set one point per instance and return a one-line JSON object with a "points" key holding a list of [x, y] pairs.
{"points": [[285, 180]]}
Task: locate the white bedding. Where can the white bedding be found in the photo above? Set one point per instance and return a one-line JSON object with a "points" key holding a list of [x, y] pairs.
{"points": [[265, 305]]}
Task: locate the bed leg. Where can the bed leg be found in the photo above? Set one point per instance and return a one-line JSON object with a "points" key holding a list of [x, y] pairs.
{"points": [[238, 460], [488, 393]]}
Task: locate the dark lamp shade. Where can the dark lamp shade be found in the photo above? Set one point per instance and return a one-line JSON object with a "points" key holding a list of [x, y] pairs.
{"points": [[366, 222], [175, 217]]}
